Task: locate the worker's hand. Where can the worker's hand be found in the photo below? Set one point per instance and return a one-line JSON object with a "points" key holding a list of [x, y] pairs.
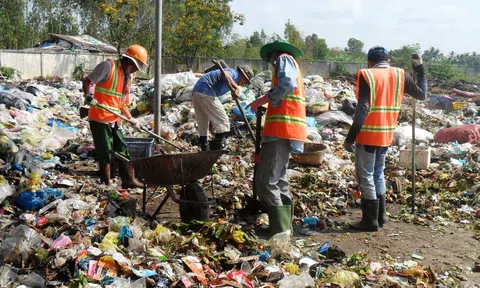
{"points": [[255, 158], [417, 62], [257, 103], [88, 98], [136, 123], [348, 146], [94, 102], [236, 93]]}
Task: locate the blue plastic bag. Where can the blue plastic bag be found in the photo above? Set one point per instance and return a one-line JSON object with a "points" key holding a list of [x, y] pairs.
{"points": [[125, 233], [248, 113], [36, 200], [61, 125], [311, 121], [31, 200]]}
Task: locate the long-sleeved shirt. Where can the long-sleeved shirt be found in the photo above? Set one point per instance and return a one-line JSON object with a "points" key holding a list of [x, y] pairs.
{"points": [[286, 72], [418, 91], [212, 83]]}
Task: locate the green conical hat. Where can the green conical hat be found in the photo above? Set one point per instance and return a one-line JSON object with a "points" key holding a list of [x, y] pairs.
{"points": [[280, 46]]}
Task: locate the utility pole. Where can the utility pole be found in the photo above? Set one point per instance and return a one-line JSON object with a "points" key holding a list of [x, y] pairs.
{"points": [[158, 67]]}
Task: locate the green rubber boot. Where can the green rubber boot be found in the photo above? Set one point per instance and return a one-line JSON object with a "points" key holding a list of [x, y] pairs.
{"points": [[280, 218]]}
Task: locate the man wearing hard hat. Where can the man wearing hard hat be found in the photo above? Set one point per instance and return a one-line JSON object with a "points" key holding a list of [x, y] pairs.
{"points": [[112, 79]]}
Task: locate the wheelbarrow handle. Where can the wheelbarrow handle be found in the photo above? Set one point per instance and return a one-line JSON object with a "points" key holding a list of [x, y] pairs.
{"points": [[250, 131], [141, 128]]}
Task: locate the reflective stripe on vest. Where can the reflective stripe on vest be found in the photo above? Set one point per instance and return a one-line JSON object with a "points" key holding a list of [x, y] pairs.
{"points": [[288, 120], [110, 95], [386, 95]]}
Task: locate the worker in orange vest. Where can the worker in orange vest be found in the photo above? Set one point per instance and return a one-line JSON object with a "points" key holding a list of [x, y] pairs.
{"points": [[380, 90], [285, 130], [112, 79]]}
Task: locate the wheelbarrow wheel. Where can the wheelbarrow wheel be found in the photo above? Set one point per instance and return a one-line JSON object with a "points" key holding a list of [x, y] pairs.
{"points": [[194, 211]]}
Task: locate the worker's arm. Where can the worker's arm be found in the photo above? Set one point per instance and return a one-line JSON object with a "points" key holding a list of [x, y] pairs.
{"points": [[287, 80], [361, 112], [234, 88], [86, 90], [417, 90]]}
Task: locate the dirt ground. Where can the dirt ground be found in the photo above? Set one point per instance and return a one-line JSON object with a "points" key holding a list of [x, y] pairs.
{"points": [[445, 248]]}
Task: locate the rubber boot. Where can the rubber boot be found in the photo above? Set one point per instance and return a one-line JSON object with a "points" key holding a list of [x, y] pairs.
{"points": [[369, 221], [279, 218], [104, 171], [382, 210], [127, 174], [204, 143], [290, 203]]}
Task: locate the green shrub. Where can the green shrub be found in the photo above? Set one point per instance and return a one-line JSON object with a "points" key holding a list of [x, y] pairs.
{"points": [[340, 70], [78, 72], [10, 73]]}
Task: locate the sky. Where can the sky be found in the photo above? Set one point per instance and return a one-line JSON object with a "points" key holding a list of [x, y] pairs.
{"points": [[445, 24]]}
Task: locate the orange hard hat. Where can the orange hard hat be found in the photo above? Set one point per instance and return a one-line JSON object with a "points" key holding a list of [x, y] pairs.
{"points": [[138, 55]]}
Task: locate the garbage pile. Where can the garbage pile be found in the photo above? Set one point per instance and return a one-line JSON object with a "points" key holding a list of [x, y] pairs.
{"points": [[60, 228]]}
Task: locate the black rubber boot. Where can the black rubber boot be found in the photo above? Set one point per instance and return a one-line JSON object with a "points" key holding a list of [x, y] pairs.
{"points": [[382, 210], [204, 143], [369, 221]]}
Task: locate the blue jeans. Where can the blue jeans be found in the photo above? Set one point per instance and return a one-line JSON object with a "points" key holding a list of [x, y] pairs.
{"points": [[369, 166]]}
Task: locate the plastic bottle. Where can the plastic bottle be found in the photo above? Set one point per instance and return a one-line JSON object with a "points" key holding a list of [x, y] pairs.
{"points": [[312, 221]]}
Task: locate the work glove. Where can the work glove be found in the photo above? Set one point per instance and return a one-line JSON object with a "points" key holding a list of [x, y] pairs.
{"points": [[348, 146], [88, 98], [136, 123], [255, 158], [94, 102], [417, 63]]}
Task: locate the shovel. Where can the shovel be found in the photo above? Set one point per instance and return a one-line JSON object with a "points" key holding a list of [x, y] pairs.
{"points": [[239, 106], [143, 129]]}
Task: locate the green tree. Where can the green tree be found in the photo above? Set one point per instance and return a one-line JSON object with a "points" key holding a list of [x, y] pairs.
{"points": [[355, 46], [432, 55], [402, 57], [12, 25], [315, 48], [193, 27], [258, 38], [293, 35]]}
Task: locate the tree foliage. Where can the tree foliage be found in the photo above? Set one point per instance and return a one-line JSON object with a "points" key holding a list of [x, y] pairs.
{"points": [[355, 47], [193, 27]]}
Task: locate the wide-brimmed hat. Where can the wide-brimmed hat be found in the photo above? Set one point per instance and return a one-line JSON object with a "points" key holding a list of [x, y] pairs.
{"points": [[280, 46], [247, 72]]}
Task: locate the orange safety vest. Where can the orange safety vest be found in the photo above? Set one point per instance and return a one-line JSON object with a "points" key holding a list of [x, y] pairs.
{"points": [[386, 94], [288, 120], [110, 95]]}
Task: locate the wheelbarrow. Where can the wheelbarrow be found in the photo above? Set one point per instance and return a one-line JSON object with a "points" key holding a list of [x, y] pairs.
{"points": [[182, 169]]}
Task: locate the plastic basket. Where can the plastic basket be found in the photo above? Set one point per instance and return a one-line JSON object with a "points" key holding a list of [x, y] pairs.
{"points": [[459, 105], [138, 148]]}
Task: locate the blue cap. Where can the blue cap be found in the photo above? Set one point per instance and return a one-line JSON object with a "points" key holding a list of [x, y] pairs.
{"points": [[377, 50]]}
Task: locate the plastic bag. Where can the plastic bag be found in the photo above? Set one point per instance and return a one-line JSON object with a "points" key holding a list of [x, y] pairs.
{"points": [[313, 96], [248, 112], [318, 107], [20, 245], [32, 280], [5, 188], [461, 134], [334, 117], [61, 242], [345, 278], [403, 135], [57, 138], [7, 277], [116, 224], [299, 281], [109, 242], [313, 135], [162, 235], [311, 122], [31, 200]]}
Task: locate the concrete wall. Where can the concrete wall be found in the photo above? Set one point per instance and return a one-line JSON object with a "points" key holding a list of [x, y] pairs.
{"points": [[33, 64]]}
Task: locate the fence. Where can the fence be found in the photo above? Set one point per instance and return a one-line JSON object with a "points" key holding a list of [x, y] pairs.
{"points": [[32, 64]]}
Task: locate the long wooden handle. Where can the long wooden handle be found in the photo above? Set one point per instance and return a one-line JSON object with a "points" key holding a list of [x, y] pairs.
{"points": [[250, 131], [141, 128]]}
